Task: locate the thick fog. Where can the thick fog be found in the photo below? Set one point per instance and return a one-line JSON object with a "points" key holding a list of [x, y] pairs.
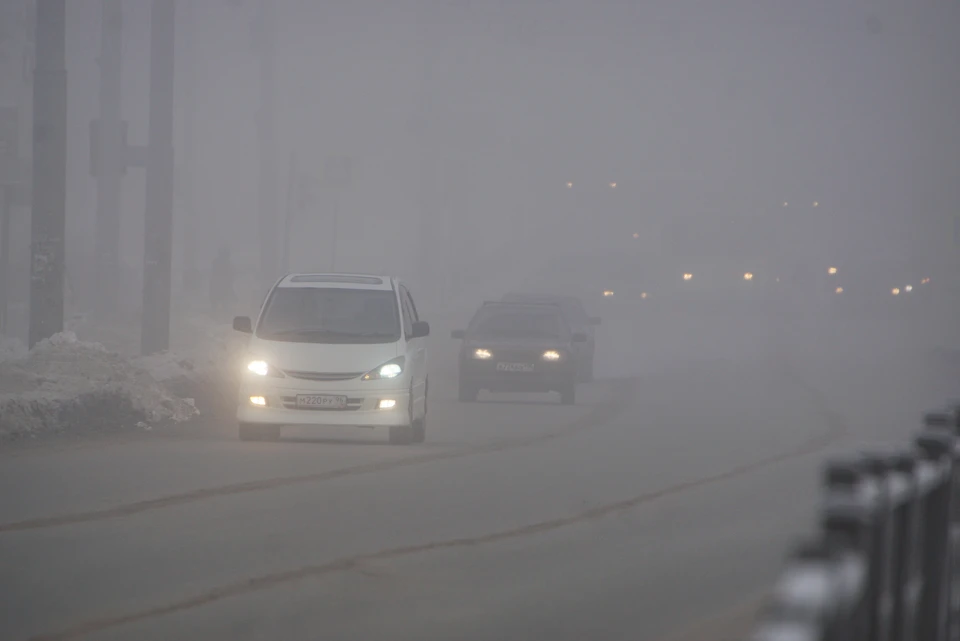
{"points": [[463, 145]]}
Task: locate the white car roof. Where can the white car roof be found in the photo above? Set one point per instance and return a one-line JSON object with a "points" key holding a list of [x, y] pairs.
{"points": [[338, 281]]}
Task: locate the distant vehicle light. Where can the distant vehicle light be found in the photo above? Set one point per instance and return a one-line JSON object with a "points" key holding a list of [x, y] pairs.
{"points": [[687, 276], [482, 354], [895, 291], [551, 355], [643, 294], [786, 204], [816, 204], [832, 270], [748, 276], [569, 184], [839, 290], [613, 185], [608, 293], [924, 281], [908, 288], [636, 235]]}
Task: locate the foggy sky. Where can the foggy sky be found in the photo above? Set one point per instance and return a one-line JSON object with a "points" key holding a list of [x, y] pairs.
{"points": [[694, 108]]}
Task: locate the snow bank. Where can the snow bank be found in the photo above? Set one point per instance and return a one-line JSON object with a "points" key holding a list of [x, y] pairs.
{"points": [[67, 385]]}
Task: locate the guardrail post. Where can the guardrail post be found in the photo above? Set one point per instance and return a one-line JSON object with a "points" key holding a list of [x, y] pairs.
{"points": [[937, 447], [849, 519], [908, 541], [815, 598], [883, 546]]}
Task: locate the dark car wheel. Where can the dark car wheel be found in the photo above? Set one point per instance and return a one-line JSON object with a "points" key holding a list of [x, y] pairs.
{"points": [[401, 434], [420, 424]]}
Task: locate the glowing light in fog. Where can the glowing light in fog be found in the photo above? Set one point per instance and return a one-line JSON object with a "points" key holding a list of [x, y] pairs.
{"points": [[636, 235], [839, 290], [613, 185], [816, 204], [643, 294], [608, 293], [786, 204], [909, 288], [924, 281], [569, 184], [832, 270], [687, 276], [748, 276], [895, 291]]}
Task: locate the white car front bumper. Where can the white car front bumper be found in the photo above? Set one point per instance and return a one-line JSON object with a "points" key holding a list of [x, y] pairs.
{"points": [[363, 403]]}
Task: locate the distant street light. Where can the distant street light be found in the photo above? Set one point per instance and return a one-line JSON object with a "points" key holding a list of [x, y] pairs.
{"points": [[816, 204], [839, 290], [613, 185], [636, 235], [832, 270], [687, 276], [569, 184], [748, 276]]}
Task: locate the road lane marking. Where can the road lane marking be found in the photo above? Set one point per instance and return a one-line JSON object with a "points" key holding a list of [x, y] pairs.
{"points": [[598, 415], [835, 429]]}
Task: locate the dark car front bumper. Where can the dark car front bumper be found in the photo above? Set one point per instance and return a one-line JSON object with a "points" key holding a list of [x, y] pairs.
{"points": [[545, 377]]}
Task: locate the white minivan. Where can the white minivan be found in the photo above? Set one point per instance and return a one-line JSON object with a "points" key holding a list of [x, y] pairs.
{"points": [[335, 350]]}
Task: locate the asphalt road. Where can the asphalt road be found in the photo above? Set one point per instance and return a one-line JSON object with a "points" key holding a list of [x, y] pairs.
{"points": [[660, 505]]}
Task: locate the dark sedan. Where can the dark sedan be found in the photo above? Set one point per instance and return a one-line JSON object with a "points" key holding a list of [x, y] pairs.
{"points": [[518, 347]]}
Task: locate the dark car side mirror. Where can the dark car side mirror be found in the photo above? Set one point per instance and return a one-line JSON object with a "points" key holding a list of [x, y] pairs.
{"points": [[595, 320], [458, 334], [420, 329], [579, 337], [243, 324]]}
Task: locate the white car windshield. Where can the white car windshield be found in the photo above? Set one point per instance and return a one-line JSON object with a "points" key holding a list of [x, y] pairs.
{"points": [[330, 315]]}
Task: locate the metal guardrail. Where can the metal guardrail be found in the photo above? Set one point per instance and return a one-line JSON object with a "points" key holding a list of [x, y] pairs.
{"points": [[884, 565]]}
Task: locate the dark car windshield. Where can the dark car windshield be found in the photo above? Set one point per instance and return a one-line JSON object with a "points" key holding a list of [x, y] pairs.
{"points": [[518, 323], [571, 307], [330, 315]]}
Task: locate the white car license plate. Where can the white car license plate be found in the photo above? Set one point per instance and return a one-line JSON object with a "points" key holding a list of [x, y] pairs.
{"points": [[514, 367], [321, 401]]}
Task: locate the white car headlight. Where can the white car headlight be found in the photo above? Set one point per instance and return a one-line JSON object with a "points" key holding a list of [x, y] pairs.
{"points": [[388, 370], [482, 354], [262, 368], [551, 355]]}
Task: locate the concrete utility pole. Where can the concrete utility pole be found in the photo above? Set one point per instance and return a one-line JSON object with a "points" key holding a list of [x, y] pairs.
{"points": [[110, 162], [266, 144], [158, 223], [190, 240], [48, 219]]}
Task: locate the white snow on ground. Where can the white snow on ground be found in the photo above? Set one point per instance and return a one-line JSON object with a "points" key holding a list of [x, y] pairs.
{"points": [[64, 384]]}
